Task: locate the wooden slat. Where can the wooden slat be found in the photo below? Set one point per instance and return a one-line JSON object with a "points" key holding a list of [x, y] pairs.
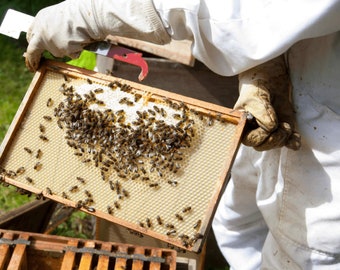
{"points": [[138, 264], [69, 256], [103, 261], [19, 259], [155, 265], [86, 258], [121, 262], [5, 251]]}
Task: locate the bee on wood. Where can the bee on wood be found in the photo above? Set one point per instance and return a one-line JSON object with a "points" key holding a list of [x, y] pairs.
{"points": [[48, 191], [156, 109], [148, 222], [187, 209], [39, 196], [117, 204], [39, 154], [74, 189], [198, 224], [159, 220], [79, 204], [49, 102], [169, 226], [171, 232], [141, 224], [89, 81], [163, 112], [98, 90], [43, 138], [100, 102], [28, 150], [64, 195], [137, 97], [88, 193], [37, 166], [173, 183], [47, 118], [152, 112], [179, 217], [125, 193], [29, 179], [20, 170], [81, 180], [42, 128], [109, 209], [154, 185]]}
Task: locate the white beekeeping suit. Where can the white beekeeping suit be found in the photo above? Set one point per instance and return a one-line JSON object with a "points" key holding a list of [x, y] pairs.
{"points": [[281, 209]]}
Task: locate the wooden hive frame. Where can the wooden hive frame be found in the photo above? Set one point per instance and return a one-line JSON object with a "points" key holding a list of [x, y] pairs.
{"points": [[22, 250], [211, 112]]}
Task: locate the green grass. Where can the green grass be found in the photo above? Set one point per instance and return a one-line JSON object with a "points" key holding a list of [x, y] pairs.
{"points": [[14, 81]]}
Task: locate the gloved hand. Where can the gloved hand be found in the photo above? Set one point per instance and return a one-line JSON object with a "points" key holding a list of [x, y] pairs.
{"points": [[265, 93], [66, 28]]}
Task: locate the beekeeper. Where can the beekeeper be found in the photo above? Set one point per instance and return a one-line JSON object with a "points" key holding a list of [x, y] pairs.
{"points": [[281, 209]]}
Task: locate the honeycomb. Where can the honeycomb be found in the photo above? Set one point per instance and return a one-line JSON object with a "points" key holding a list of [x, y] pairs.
{"points": [[152, 164]]}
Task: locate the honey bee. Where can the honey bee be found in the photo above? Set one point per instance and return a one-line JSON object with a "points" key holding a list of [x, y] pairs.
{"points": [[156, 109], [89, 81], [148, 222], [100, 102], [163, 112], [198, 224], [137, 97], [179, 217], [154, 185], [171, 232], [43, 138], [37, 166], [152, 112], [74, 189], [42, 128], [125, 193], [88, 193], [47, 118], [187, 209], [109, 209], [141, 224], [39, 154], [28, 150], [159, 220], [81, 180], [98, 91], [64, 195], [117, 204], [173, 183], [49, 102], [48, 191], [169, 226], [20, 171], [79, 204], [29, 179]]}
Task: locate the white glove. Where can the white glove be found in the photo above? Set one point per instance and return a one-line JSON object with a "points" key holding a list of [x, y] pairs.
{"points": [[265, 93], [66, 28]]}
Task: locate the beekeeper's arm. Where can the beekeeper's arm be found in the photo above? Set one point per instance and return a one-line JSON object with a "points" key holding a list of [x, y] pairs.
{"points": [[64, 29]]}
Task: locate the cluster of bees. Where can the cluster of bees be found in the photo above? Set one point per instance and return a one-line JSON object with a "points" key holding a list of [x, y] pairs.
{"points": [[132, 150]]}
